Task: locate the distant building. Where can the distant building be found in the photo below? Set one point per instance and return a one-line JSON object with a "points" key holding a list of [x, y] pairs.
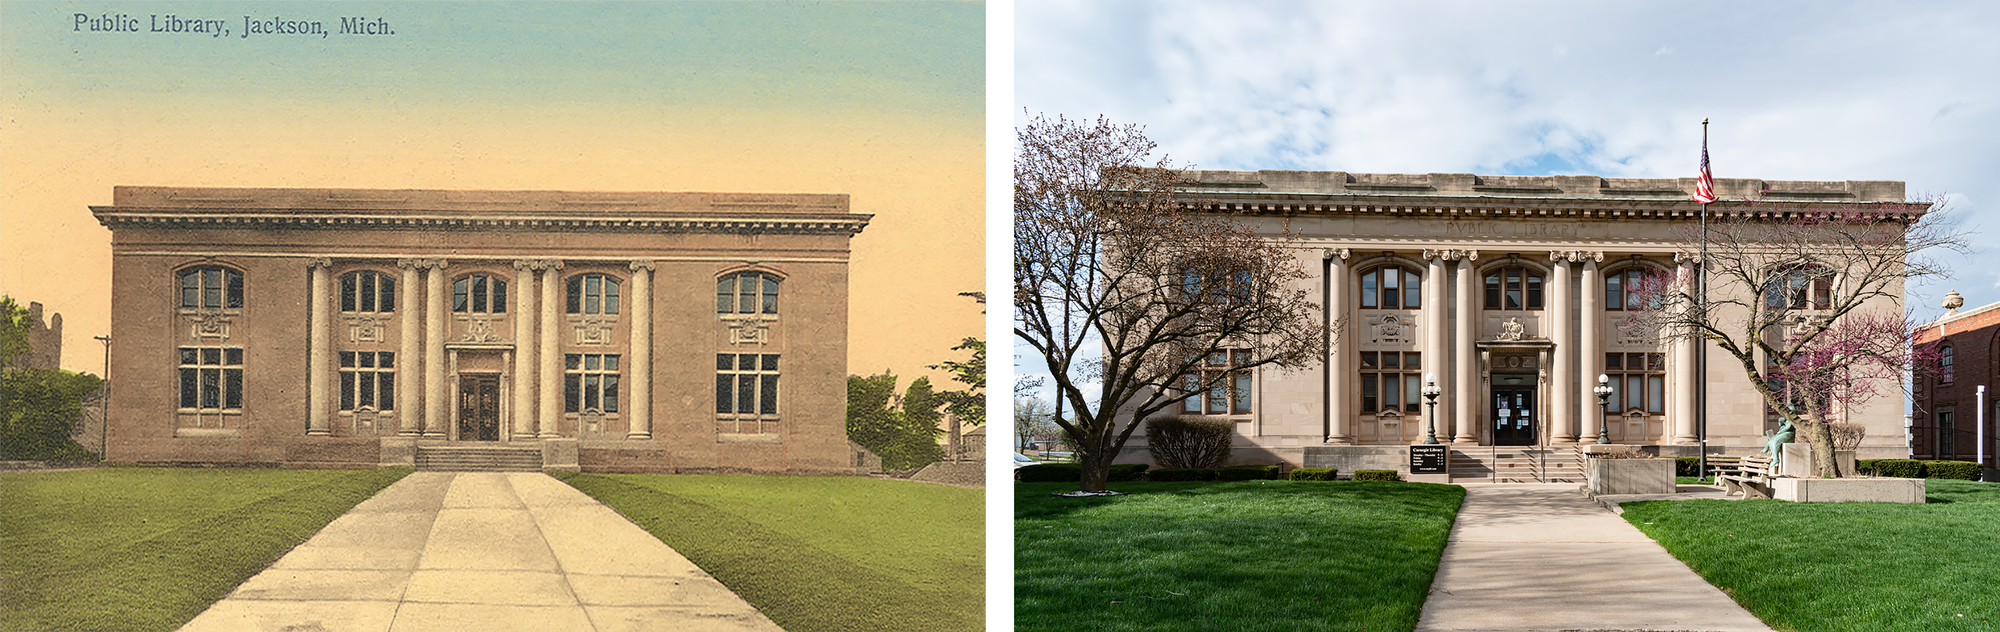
{"points": [[1945, 424], [665, 332], [44, 341]]}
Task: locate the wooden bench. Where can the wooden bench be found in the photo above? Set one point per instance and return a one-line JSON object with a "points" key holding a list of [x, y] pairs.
{"points": [[1752, 477]]}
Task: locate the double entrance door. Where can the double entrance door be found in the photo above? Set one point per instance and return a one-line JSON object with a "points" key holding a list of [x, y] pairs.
{"points": [[478, 408], [1513, 415]]}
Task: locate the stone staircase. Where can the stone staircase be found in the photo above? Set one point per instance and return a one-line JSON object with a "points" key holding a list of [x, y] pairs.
{"points": [[487, 458], [1516, 464]]}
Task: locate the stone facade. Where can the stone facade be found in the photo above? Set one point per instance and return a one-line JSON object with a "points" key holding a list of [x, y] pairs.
{"points": [[1944, 425], [311, 326], [44, 341], [1505, 288]]}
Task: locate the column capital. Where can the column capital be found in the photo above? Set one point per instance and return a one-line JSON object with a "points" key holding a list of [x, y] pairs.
{"points": [[1330, 253], [1460, 255], [1575, 256], [1687, 257], [409, 264], [524, 264], [641, 264], [319, 262], [1430, 254], [433, 264], [548, 264]]}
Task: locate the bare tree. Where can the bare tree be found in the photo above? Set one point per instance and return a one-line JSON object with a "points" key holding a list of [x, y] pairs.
{"points": [[1807, 298], [1031, 420], [1128, 285]]}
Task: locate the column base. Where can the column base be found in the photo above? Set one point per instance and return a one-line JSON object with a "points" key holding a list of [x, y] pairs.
{"points": [[319, 433], [549, 435], [1340, 440], [639, 436], [1562, 440], [1465, 440], [434, 435]]}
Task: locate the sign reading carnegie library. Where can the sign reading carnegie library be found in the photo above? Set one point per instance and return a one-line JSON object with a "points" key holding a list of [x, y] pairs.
{"points": [[604, 331], [1511, 290]]}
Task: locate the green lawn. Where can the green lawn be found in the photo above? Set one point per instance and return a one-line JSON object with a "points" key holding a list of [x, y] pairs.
{"points": [[1248, 555], [821, 552], [150, 548], [1845, 566]]}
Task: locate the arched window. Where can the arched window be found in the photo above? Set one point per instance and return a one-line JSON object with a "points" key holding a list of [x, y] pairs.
{"points": [[746, 293], [1391, 287], [367, 291], [1800, 287], [479, 294], [593, 294], [1514, 288], [1945, 371], [211, 287]]}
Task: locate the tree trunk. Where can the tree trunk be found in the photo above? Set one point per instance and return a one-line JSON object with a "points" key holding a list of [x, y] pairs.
{"points": [[1096, 470], [1820, 436]]}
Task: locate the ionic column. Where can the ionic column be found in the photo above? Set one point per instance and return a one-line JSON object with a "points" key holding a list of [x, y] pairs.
{"points": [[1339, 374], [1562, 376], [437, 397], [1465, 360], [551, 353], [1590, 347], [639, 413], [524, 349], [1684, 381], [409, 419], [1436, 339], [320, 355]]}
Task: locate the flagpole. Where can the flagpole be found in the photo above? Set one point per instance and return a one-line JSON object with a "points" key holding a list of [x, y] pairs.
{"points": [[1701, 343]]}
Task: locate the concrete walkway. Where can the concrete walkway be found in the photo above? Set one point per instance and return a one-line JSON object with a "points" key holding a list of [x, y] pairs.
{"points": [[461, 552], [1545, 557]]}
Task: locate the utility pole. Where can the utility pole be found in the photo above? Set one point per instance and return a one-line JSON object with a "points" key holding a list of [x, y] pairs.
{"points": [[104, 403]]}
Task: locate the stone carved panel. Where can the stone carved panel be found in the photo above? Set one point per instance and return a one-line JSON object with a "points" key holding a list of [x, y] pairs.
{"points": [[1514, 363], [209, 323], [1631, 333], [1511, 329], [479, 328], [365, 327], [748, 330], [593, 329], [1391, 329]]}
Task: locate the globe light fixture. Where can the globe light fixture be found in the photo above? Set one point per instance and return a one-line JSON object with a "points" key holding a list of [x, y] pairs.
{"points": [[1603, 392]]}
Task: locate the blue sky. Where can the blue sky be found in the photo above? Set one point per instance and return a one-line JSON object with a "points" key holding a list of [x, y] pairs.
{"points": [[1795, 90]]}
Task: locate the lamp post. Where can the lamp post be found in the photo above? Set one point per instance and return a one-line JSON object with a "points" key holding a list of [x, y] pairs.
{"points": [[1431, 392], [1603, 392]]}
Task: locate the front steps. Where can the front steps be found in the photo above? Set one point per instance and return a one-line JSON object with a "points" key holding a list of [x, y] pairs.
{"points": [[483, 458], [1516, 464]]}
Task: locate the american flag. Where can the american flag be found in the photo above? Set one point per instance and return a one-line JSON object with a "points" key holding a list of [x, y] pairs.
{"points": [[1704, 187]]}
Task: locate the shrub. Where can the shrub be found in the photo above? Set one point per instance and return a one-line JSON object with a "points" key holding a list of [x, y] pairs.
{"points": [[1121, 472], [1314, 474], [1181, 474], [1899, 468], [38, 410], [1687, 466], [1248, 473], [1960, 470], [1051, 473], [1377, 475], [1189, 442]]}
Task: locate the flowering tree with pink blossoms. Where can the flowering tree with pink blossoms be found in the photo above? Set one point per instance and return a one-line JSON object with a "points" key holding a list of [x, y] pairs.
{"points": [[1807, 297]]}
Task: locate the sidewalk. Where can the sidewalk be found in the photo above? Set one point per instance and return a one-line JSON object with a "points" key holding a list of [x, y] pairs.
{"points": [[481, 551], [1545, 557]]}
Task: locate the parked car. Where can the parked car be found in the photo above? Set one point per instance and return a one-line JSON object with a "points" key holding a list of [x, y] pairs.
{"points": [[1022, 460]]}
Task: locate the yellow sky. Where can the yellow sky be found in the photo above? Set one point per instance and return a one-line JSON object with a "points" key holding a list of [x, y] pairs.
{"points": [[70, 130]]}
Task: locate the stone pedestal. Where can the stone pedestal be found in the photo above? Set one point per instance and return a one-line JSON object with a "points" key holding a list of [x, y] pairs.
{"points": [[1847, 490], [1629, 476], [560, 455]]}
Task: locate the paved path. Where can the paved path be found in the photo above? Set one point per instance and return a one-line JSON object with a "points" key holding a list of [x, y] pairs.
{"points": [[465, 552], [1544, 557]]}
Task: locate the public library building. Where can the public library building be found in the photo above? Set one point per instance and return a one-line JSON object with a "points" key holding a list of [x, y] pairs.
{"points": [[659, 332], [1511, 289]]}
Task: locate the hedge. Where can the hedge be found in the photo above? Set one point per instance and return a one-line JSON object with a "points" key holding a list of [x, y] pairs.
{"points": [[1960, 470], [1248, 473], [1897, 468], [1181, 474], [1687, 466], [1314, 474], [1121, 472], [1377, 475], [1051, 473]]}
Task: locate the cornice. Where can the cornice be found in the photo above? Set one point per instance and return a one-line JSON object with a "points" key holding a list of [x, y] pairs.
{"points": [[1480, 207], [849, 224]]}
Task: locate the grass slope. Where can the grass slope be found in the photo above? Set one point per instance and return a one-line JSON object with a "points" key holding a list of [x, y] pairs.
{"points": [[820, 552], [1249, 555], [150, 548], [1845, 566]]}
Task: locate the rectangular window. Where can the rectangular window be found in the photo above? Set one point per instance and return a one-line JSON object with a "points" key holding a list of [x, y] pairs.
{"points": [[1638, 382], [1368, 290], [1493, 291], [1391, 381], [1413, 290], [1368, 392], [590, 382], [1229, 387], [211, 377], [367, 380], [746, 393]]}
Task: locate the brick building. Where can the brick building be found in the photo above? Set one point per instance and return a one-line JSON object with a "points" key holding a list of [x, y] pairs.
{"points": [[600, 331], [1945, 421]]}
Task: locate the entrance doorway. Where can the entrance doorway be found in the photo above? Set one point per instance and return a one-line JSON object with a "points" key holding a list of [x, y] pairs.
{"points": [[1513, 415], [479, 408]]}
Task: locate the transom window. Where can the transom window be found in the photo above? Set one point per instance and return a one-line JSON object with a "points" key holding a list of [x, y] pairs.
{"points": [[211, 377], [746, 392], [367, 291], [1391, 287], [367, 380], [593, 294], [1800, 287], [1622, 289], [479, 294], [1391, 380], [213, 287], [1638, 381], [1230, 395], [746, 293], [1514, 288], [1232, 286], [590, 382]]}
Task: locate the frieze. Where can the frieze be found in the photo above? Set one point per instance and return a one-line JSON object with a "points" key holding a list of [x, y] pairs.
{"points": [[1510, 229]]}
